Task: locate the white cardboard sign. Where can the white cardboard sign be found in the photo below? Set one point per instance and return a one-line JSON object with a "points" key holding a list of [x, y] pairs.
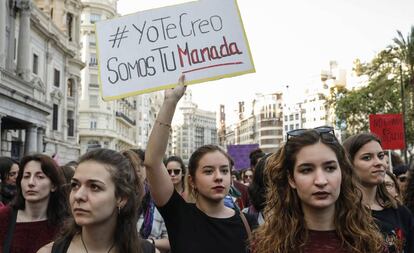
{"points": [[147, 51]]}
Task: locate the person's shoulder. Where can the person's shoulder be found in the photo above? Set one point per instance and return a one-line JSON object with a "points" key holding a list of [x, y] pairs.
{"points": [[46, 249]]}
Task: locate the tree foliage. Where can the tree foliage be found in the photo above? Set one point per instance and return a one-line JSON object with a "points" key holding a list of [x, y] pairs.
{"points": [[391, 67]]}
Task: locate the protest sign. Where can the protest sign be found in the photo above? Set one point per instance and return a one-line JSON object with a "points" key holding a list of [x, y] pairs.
{"points": [[389, 128], [240, 154], [147, 51]]}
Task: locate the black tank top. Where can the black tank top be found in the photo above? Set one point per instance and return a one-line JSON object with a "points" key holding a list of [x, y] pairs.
{"points": [[63, 245]]}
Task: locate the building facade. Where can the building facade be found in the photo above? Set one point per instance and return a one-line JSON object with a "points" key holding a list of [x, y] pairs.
{"points": [[40, 78], [196, 128], [259, 121]]}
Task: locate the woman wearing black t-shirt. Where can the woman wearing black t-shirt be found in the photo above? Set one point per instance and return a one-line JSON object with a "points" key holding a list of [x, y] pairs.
{"points": [[396, 221], [208, 225]]}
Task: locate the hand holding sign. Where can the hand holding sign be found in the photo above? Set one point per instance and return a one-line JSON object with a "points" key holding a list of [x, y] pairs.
{"points": [[144, 52]]}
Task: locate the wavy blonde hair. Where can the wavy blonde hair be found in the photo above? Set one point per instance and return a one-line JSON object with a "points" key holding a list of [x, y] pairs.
{"points": [[284, 230]]}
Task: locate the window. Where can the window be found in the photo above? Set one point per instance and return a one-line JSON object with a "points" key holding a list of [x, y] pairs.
{"points": [[70, 88], [56, 78], [35, 69], [93, 61], [94, 18], [92, 39], [291, 117], [55, 117], [93, 124], [69, 22], [71, 124], [286, 118], [297, 116], [93, 101]]}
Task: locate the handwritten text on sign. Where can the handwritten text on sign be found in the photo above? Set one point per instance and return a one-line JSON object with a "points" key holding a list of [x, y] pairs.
{"points": [[389, 128], [148, 50]]}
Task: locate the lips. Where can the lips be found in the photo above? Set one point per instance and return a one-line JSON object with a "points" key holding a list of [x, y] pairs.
{"points": [[321, 194], [80, 210], [31, 192], [219, 188]]}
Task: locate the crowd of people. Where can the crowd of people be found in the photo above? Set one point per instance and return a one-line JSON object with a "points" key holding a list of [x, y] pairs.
{"points": [[312, 195]]}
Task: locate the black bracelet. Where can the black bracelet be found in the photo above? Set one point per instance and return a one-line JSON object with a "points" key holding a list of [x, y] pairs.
{"points": [[152, 240]]}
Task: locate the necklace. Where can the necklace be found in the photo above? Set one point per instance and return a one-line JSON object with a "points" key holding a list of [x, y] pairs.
{"points": [[86, 249]]}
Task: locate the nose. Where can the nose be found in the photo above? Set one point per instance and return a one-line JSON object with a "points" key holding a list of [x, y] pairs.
{"points": [[218, 176], [379, 162], [32, 181], [320, 178], [80, 194]]}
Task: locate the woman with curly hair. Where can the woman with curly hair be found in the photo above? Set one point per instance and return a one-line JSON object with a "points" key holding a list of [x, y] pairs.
{"points": [[395, 221], [313, 204]]}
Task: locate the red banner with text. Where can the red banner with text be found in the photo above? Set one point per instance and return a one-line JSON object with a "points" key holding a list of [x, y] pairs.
{"points": [[389, 128]]}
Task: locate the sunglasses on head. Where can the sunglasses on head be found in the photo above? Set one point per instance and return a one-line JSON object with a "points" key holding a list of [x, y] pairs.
{"points": [[321, 130], [174, 171]]}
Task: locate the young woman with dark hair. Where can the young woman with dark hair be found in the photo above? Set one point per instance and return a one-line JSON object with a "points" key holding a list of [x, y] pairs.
{"points": [[208, 225], [9, 168], [37, 212], [176, 169], [104, 198], [396, 221], [313, 204]]}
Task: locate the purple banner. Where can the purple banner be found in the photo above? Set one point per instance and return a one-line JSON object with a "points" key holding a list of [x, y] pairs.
{"points": [[240, 154]]}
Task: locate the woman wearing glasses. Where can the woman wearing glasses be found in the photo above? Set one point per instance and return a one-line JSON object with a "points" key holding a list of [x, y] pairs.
{"points": [[176, 169], [395, 221], [208, 225], [313, 204]]}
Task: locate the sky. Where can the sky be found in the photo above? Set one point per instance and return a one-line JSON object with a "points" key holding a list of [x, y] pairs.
{"points": [[293, 40]]}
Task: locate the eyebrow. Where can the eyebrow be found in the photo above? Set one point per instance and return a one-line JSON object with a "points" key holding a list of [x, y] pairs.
{"points": [[212, 167], [332, 162], [89, 181]]}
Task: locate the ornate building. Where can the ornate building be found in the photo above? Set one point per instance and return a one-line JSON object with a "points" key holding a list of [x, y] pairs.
{"points": [[40, 75], [119, 124]]}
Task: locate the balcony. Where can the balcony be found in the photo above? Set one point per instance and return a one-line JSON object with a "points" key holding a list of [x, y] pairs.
{"points": [[125, 118]]}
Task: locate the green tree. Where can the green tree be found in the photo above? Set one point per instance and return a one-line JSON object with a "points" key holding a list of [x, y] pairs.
{"points": [[382, 92]]}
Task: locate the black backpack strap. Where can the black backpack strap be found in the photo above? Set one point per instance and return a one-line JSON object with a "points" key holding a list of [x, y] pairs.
{"points": [[10, 231]]}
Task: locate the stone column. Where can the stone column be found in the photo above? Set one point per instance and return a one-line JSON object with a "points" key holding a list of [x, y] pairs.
{"points": [[40, 135], [31, 140], [10, 65], [3, 14], [23, 54]]}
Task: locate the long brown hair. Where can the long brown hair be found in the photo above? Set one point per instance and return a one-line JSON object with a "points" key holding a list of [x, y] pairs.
{"points": [[352, 145], [284, 230], [126, 185]]}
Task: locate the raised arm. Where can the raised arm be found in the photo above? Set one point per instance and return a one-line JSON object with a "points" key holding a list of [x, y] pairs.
{"points": [[160, 184]]}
